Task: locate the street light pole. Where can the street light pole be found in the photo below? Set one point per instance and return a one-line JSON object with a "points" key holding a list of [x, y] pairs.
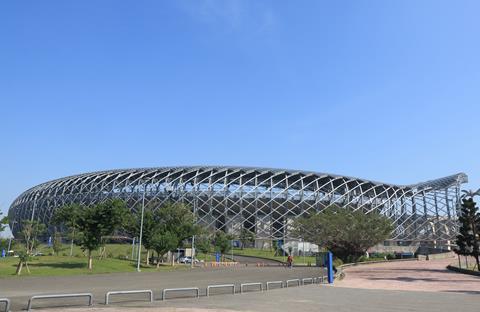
{"points": [[303, 251], [141, 232], [133, 248], [34, 206], [10, 241], [193, 251]]}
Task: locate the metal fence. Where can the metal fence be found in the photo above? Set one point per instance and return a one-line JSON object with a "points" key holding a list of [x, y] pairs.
{"points": [[165, 291], [221, 286], [308, 279], [7, 304], [274, 283], [242, 286], [259, 286], [89, 295], [295, 280], [124, 292]]}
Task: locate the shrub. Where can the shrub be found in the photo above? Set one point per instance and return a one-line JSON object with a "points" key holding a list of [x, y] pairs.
{"points": [[337, 262], [390, 256], [363, 259]]}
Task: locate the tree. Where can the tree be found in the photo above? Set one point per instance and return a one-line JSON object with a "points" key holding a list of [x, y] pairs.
{"points": [[468, 238], [57, 243], [246, 236], [203, 243], [222, 242], [343, 231], [97, 221], [163, 242], [30, 230], [176, 219], [133, 228], [68, 216], [3, 222]]}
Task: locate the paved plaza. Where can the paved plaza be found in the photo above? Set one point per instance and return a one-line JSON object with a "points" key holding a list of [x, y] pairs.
{"points": [[411, 276]]}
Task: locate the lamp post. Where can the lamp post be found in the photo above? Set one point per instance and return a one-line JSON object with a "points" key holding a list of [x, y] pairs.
{"points": [[141, 231], [193, 251], [10, 241], [303, 251], [34, 206], [133, 248]]}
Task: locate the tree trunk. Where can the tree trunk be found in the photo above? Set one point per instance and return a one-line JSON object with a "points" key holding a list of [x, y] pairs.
{"points": [[478, 262], [90, 260], [19, 268], [71, 243]]}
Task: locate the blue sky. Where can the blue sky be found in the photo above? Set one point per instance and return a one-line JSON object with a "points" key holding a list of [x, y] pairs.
{"points": [[384, 90]]}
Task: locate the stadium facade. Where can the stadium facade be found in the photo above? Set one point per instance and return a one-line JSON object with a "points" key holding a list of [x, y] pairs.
{"points": [[263, 200]]}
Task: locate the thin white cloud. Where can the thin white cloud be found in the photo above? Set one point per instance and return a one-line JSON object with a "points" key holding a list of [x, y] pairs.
{"points": [[235, 15]]}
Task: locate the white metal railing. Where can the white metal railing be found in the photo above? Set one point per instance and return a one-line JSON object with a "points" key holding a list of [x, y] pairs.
{"points": [[320, 279], [123, 292], [296, 280], [242, 286], [307, 279], [89, 295], [195, 289], [7, 304], [221, 286], [274, 283]]}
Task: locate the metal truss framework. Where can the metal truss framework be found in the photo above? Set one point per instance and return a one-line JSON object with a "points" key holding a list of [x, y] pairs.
{"points": [[263, 200]]}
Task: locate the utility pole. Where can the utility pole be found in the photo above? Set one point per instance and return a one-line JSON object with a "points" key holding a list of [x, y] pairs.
{"points": [[141, 231]]}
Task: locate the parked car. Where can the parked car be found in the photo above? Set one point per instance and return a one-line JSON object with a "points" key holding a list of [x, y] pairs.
{"points": [[187, 260]]}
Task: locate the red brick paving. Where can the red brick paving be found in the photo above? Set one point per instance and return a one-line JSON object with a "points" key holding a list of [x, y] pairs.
{"points": [[411, 275]]}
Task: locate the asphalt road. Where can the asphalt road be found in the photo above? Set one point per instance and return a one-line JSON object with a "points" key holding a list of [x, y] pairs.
{"points": [[20, 289], [311, 299]]}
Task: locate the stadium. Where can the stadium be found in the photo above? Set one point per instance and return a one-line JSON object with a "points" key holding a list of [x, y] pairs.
{"points": [[263, 200]]}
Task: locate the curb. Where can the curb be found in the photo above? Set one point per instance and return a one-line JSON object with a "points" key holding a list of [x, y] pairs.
{"points": [[463, 271]]}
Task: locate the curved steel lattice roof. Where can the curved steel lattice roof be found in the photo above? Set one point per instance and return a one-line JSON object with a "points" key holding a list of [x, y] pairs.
{"points": [[261, 199]]}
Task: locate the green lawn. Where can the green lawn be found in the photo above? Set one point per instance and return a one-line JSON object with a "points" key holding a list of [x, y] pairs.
{"points": [[118, 259], [61, 265], [270, 254]]}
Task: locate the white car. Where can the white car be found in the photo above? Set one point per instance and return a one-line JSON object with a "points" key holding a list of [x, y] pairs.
{"points": [[187, 260]]}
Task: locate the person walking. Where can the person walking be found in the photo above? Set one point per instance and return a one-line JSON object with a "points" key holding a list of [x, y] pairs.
{"points": [[290, 261]]}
